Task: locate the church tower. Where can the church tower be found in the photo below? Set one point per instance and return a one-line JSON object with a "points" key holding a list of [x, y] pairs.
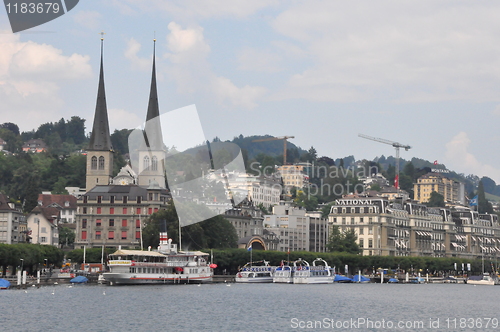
{"points": [[100, 150], [152, 155]]}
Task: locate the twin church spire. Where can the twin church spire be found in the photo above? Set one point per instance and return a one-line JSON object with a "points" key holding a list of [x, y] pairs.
{"points": [[100, 150]]}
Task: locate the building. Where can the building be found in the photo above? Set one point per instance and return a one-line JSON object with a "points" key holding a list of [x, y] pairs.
{"points": [[413, 229], [112, 211], [291, 226], [294, 175], [43, 225], [35, 145], [3, 144], [66, 204], [12, 222], [452, 190], [113, 215], [318, 232]]}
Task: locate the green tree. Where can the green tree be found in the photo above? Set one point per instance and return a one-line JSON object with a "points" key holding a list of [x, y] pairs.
{"points": [[436, 200], [66, 236], [343, 241]]}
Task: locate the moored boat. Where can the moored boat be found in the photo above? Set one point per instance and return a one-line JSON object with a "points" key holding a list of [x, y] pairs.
{"points": [[256, 274], [165, 266], [312, 274], [283, 274], [485, 279]]}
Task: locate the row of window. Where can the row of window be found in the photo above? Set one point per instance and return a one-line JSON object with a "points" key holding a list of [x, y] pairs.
{"points": [[111, 223], [111, 235], [124, 200], [112, 210]]}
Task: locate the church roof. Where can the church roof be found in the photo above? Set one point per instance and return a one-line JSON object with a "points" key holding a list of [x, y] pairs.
{"points": [[100, 140], [152, 129]]}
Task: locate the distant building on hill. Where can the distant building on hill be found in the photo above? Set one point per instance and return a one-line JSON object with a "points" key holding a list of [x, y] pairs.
{"points": [[12, 222], [35, 145], [453, 191]]}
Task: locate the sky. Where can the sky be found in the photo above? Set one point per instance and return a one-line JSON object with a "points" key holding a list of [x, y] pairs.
{"points": [[422, 73]]}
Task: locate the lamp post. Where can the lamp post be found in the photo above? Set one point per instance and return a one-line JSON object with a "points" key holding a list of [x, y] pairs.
{"points": [[22, 264]]}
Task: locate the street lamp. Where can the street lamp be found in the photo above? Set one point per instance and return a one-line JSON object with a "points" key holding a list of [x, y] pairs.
{"points": [[22, 264]]}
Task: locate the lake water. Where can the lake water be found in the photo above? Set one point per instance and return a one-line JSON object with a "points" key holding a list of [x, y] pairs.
{"points": [[246, 307]]}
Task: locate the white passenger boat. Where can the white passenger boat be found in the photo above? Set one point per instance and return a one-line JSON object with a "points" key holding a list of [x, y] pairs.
{"points": [[165, 266], [485, 279], [312, 274], [283, 274], [255, 274]]}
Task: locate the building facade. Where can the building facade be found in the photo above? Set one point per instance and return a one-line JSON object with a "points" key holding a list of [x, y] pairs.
{"points": [[452, 190], [413, 229], [13, 227], [43, 225]]}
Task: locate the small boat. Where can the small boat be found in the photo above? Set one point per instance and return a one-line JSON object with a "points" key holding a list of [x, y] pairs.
{"points": [[312, 274], [360, 279], [342, 279], [485, 279], [393, 281], [250, 273], [4, 284], [79, 280]]}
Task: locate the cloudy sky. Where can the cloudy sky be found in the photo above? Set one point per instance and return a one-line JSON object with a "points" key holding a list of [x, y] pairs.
{"points": [[423, 73]]}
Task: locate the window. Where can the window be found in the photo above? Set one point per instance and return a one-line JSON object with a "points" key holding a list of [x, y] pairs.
{"points": [[111, 235], [43, 230], [84, 235], [84, 210], [101, 162], [370, 243], [137, 223], [84, 223], [361, 243], [156, 210], [139, 199], [125, 199], [146, 163], [361, 230], [124, 211], [111, 223], [124, 235], [124, 222], [85, 199], [150, 211], [138, 211], [99, 199], [98, 235], [361, 219], [352, 221], [343, 221], [43, 239], [93, 163], [370, 230], [112, 199], [137, 235], [111, 210], [98, 210], [154, 163], [98, 222]]}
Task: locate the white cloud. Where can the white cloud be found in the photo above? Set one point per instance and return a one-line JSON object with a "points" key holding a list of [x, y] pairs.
{"points": [[122, 119], [30, 78], [202, 8], [460, 159], [407, 50], [192, 72], [133, 47], [253, 59], [88, 18]]}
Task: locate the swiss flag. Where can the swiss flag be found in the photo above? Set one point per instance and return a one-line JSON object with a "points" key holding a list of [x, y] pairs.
{"points": [[396, 181], [435, 162]]}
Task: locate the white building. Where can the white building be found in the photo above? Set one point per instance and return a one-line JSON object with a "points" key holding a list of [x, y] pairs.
{"points": [[42, 224], [12, 222], [291, 225]]}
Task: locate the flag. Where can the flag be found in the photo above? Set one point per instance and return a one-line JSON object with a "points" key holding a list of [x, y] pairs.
{"points": [[473, 202], [435, 162], [249, 247], [396, 181]]}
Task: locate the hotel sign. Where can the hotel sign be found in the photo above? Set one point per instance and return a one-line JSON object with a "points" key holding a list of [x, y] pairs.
{"points": [[354, 202], [438, 170]]}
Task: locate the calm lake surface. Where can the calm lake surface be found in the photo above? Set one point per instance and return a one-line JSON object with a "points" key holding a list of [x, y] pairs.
{"points": [[244, 307]]}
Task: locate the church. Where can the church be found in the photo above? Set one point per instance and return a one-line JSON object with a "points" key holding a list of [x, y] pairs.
{"points": [[112, 212]]}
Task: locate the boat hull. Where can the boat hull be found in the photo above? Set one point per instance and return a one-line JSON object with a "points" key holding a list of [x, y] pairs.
{"points": [[152, 278], [313, 280]]}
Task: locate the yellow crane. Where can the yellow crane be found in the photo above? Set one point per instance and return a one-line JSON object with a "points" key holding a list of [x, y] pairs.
{"points": [[284, 138]]}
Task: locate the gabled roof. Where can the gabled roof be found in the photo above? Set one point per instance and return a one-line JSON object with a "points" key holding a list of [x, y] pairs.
{"points": [[4, 202], [59, 200], [49, 213]]}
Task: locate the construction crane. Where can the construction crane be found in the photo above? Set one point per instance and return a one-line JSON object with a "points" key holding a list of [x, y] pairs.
{"points": [[395, 145], [284, 138]]}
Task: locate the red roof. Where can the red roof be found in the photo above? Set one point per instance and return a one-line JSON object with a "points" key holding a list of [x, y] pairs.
{"points": [[60, 200]]}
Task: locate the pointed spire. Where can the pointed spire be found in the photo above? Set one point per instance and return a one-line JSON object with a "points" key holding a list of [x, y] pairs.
{"points": [[154, 137], [100, 140]]}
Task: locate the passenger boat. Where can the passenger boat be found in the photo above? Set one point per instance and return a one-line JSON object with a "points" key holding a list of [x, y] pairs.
{"points": [[312, 274], [485, 279], [283, 274], [164, 266], [251, 273]]}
